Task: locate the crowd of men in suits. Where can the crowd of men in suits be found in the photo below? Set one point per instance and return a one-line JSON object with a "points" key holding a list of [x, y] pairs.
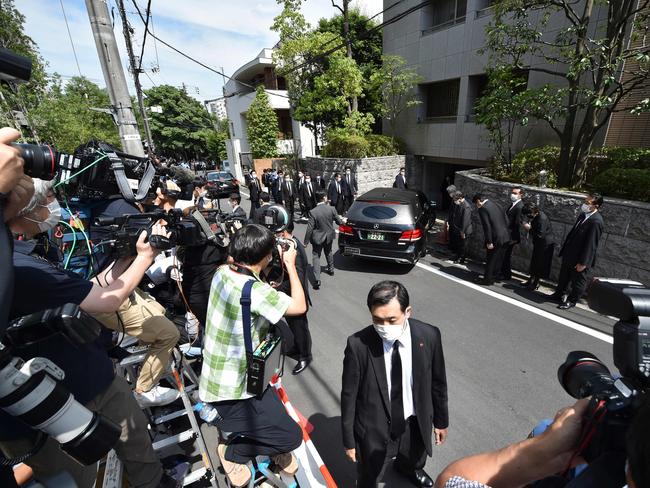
{"points": [[503, 230]]}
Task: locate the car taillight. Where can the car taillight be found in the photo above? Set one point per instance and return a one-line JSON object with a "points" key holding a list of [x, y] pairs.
{"points": [[411, 235], [345, 229]]}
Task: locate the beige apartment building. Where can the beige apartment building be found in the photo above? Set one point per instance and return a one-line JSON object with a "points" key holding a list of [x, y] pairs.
{"points": [[441, 42]]}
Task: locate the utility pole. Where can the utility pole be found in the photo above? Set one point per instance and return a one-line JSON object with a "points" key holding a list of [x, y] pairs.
{"points": [[345, 10], [136, 76], [109, 57]]}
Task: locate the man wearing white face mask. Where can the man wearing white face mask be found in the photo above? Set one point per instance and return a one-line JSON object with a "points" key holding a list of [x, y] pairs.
{"points": [[394, 390], [513, 219]]}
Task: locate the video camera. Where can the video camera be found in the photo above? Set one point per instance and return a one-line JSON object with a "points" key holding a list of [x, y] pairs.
{"points": [[201, 227], [32, 392], [614, 401]]}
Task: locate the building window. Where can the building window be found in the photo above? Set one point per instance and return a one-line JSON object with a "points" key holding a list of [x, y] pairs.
{"points": [[441, 99], [442, 14], [475, 90]]}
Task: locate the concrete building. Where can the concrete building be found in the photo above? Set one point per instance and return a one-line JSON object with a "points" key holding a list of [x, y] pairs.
{"points": [[441, 42], [217, 107], [239, 92]]}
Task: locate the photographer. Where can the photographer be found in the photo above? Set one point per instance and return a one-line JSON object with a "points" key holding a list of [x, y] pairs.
{"points": [[89, 374], [550, 453], [224, 373]]}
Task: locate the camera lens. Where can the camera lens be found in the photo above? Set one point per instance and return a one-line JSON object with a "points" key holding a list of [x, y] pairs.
{"points": [[583, 374], [40, 160]]}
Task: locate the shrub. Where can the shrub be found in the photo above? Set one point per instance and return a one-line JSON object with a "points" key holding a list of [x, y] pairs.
{"points": [[628, 183], [527, 164], [346, 146], [625, 157], [381, 145]]}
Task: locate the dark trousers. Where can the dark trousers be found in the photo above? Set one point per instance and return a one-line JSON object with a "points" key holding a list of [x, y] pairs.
{"points": [[290, 205], [257, 427], [254, 204], [457, 244], [340, 205], [409, 453], [492, 262], [349, 200], [317, 250], [506, 266], [299, 325], [569, 275]]}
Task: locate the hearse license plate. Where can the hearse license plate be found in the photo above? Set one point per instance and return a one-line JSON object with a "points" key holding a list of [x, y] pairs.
{"points": [[375, 236]]}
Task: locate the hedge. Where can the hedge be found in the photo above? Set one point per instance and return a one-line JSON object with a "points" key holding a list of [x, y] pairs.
{"points": [[354, 146], [627, 183], [527, 164]]}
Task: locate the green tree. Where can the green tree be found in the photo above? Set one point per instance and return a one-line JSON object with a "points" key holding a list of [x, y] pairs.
{"points": [[24, 96], [183, 127], [593, 61], [65, 116], [396, 83], [262, 124]]}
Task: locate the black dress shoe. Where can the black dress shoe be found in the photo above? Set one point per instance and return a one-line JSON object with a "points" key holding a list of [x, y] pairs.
{"points": [[566, 305], [330, 271], [418, 477], [316, 285], [484, 282], [300, 366], [555, 297]]}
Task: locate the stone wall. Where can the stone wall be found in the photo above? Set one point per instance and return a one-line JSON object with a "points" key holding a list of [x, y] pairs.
{"points": [[370, 172], [624, 250]]}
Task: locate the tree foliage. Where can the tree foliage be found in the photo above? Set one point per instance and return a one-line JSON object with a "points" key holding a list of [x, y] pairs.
{"points": [[262, 124], [593, 63], [24, 96], [395, 82], [65, 116], [184, 129]]}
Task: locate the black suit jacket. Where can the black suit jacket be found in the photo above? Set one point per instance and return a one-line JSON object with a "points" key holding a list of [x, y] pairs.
{"points": [[365, 399], [493, 220], [255, 190], [400, 182], [320, 182], [513, 215], [285, 192], [238, 212], [257, 217], [461, 220], [581, 242], [307, 200], [332, 195], [541, 230], [349, 189]]}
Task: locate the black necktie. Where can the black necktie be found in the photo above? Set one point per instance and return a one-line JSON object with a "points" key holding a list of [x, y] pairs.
{"points": [[396, 401]]}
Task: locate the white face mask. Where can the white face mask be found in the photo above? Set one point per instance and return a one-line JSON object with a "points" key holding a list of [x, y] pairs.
{"points": [[52, 219], [585, 208], [389, 333], [514, 198]]}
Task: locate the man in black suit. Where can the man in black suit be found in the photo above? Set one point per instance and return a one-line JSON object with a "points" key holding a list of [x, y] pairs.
{"points": [[495, 234], [308, 195], [254, 188], [277, 188], [460, 227], [320, 182], [579, 252], [394, 389], [513, 217], [320, 232], [300, 181], [235, 200], [400, 180], [258, 213], [298, 324], [288, 192], [350, 188], [335, 193]]}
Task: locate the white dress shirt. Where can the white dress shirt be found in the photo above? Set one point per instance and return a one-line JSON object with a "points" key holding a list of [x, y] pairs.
{"points": [[406, 355]]}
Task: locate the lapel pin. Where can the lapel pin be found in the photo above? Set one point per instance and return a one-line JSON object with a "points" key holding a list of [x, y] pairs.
{"points": [[421, 344]]}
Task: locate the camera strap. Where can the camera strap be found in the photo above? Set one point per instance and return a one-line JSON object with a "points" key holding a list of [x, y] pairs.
{"points": [[245, 302], [123, 182]]}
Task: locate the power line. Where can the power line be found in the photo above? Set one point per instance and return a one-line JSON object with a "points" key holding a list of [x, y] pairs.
{"points": [[144, 39], [74, 51]]}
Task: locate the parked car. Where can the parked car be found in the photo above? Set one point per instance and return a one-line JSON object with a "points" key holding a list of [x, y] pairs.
{"points": [[388, 224], [221, 184]]}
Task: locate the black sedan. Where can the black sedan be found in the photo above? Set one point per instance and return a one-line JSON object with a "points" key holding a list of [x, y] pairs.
{"points": [[388, 224], [221, 184]]}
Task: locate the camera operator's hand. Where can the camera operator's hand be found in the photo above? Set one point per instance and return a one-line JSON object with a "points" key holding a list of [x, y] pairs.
{"points": [[19, 197], [144, 247], [562, 436], [289, 256], [11, 164]]}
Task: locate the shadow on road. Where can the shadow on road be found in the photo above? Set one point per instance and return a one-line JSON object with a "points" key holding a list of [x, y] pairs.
{"points": [[328, 439], [363, 265]]}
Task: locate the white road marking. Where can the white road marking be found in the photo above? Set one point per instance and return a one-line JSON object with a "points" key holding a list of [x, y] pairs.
{"points": [[542, 313]]}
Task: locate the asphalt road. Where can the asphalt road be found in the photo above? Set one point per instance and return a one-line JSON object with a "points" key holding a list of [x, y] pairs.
{"points": [[501, 359]]}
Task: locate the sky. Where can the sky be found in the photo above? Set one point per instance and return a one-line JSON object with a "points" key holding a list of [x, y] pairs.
{"points": [[219, 33]]}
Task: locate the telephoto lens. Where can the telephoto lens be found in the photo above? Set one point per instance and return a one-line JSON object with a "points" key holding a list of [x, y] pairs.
{"points": [[41, 160], [583, 374]]}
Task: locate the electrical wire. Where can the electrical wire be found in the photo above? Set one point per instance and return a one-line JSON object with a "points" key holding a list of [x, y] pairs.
{"points": [[144, 40], [62, 182], [74, 244], [74, 51]]}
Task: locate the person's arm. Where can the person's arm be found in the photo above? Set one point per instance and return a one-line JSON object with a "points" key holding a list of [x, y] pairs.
{"points": [[487, 228], [337, 218], [528, 460], [108, 299], [310, 228], [588, 252], [439, 390], [112, 272], [350, 387], [298, 304]]}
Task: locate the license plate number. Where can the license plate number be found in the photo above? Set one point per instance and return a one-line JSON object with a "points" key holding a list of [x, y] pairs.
{"points": [[352, 250], [375, 236]]}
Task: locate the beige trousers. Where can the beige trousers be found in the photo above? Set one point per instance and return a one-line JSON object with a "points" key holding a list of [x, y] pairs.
{"points": [[143, 317], [141, 465]]}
